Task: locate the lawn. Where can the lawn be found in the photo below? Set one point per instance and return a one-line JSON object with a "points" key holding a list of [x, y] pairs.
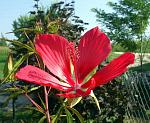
{"points": [[3, 57], [136, 66]]}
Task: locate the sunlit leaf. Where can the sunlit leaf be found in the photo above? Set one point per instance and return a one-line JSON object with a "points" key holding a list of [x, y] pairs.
{"points": [[20, 44], [10, 89], [23, 29], [16, 66], [53, 27], [33, 89], [95, 99], [73, 101], [9, 67]]}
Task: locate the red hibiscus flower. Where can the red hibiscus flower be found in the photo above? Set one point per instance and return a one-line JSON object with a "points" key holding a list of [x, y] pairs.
{"points": [[70, 66]]}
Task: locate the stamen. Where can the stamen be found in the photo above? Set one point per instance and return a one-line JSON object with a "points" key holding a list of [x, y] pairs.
{"points": [[73, 57]]}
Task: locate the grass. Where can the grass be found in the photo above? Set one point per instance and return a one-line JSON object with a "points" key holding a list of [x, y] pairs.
{"points": [[112, 56], [3, 57], [146, 66]]}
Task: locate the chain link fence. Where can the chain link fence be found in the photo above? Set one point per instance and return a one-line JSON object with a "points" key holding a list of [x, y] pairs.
{"points": [[138, 106]]}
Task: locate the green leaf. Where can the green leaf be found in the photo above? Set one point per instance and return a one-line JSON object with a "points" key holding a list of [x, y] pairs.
{"points": [[23, 30], [16, 66], [33, 89], [95, 99], [56, 117], [42, 120], [53, 27], [42, 101], [8, 67], [74, 101], [77, 114], [148, 112], [69, 116], [33, 108], [11, 89], [20, 44]]}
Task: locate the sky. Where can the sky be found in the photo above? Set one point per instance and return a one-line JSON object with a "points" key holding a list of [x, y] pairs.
{"points": [[10, 10]]}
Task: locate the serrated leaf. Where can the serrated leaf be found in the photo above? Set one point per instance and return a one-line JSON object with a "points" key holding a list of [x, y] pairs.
{"points": [[95, 99], [77, 114]]}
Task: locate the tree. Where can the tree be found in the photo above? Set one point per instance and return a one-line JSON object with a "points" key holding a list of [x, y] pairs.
{"points": [[3, 43], [127, 22], [58, 18]]}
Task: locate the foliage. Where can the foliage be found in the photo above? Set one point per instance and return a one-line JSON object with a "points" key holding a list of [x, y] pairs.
{"points": [[3, 57], [22, 115], [127, 22], [60, 19], [57, 19], [145, 45], [3, 43], [113, 101]]}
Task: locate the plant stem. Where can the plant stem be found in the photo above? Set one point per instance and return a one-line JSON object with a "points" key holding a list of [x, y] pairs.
{"points": [[46, 103]]}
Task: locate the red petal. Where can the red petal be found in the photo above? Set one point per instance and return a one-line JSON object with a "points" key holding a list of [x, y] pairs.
{"points": [[112, 70], [90, 87], [35, 75], [79, 92], [69, 95], [53, 51], [94, 47]]}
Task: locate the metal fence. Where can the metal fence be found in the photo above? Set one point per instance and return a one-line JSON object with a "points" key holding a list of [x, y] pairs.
{"points": [[138, 87]]}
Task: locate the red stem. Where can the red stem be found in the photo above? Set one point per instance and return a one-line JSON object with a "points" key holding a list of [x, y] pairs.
{"points": [[47, 109]]}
